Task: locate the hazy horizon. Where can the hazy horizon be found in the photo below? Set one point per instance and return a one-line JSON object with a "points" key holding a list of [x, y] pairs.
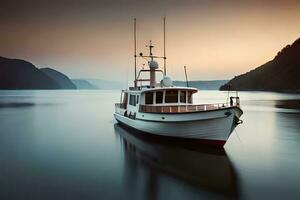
{"points": [[94, 39]]}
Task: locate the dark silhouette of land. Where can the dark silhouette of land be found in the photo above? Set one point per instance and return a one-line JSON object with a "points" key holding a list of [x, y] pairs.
{"points": [[59, 77], [83, 84], [280, 74], [20, 74], [92, 84]]}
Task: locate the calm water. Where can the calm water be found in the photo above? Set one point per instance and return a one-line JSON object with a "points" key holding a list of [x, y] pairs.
{"points": [[65, 145]]}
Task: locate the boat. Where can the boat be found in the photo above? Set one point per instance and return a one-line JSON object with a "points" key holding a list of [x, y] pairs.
{"points": [[158, 108]]}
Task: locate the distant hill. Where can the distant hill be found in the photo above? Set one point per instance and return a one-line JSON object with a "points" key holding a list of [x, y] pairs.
{"points": [[59, 77], [280, 74], [16, 74], [82, 84], [97, 84], [105, 84], [203, 85], [20, 74], [111, 85]]}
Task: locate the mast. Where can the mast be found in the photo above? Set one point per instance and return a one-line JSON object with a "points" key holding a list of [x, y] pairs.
{"points": [[153, 65], [135, 75], [165, 58]]}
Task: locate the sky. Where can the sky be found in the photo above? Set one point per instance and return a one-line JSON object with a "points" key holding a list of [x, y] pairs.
{"points": [[215, 39]]}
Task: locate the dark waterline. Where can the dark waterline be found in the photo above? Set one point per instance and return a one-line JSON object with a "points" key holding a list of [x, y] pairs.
{"points": [[66, 145]]}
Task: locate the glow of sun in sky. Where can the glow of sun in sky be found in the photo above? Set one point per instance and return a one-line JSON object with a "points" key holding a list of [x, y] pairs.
{"points": [[94, 39]]}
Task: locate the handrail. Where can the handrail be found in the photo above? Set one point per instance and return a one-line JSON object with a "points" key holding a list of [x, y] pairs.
{"points": [[183, 108], [180, 108]]}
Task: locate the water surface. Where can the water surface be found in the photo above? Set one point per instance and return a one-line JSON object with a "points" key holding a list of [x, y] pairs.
{"points": [[66, 145]]}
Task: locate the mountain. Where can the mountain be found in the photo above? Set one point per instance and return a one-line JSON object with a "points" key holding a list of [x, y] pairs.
{"points": [[20, 74], [203, 85], [97, 84], [59, 77], [280, 74], [105, 84], [111, 85], [82, 84]]}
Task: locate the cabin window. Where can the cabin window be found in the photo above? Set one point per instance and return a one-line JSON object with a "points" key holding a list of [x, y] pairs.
{"points": [[132, 100], [149, 98], [159, 97], [137, 99], [125, 99], [182, 96], [190, 96], [171, 96]]}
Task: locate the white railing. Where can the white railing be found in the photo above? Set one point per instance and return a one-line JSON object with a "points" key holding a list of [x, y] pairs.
{"points": [[184, 108]]}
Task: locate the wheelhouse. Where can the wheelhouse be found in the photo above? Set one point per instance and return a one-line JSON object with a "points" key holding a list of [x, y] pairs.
{"points": [[167, 96]]}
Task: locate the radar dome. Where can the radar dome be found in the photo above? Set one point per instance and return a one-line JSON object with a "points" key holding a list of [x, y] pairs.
{"points": [[167, 81], [153, 64]]}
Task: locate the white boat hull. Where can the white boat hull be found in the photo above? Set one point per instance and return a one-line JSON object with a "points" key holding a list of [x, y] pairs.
{"points": [[213, 126]]}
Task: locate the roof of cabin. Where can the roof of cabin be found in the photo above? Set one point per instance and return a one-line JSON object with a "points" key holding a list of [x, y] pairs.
{"points": [[143, 90]]}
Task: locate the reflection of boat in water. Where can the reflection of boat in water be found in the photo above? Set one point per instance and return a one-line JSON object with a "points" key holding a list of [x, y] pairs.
{"points": [[204, 169]]}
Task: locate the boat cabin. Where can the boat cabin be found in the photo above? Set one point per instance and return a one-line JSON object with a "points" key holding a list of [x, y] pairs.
{"points": [[164, 100], [156, 99], [158, 96]]}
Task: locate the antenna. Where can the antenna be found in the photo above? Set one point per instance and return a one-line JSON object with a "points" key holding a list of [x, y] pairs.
{"points": [[135, 82], [165, 58], [186, 78], [150, 49]]}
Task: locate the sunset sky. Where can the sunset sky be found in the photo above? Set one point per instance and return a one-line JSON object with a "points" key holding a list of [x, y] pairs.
{"points": [[94, 39]]}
